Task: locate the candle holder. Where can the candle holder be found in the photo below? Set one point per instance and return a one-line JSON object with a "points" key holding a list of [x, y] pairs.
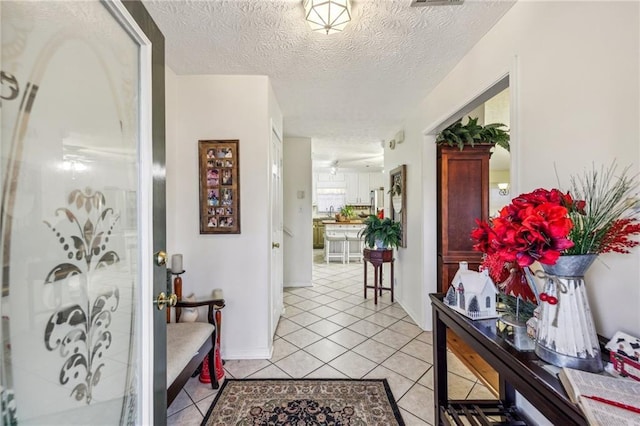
{"points": [[177, 283], [177, 289]]}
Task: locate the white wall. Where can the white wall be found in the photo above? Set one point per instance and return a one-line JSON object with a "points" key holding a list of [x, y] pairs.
{"points": [[408, 272], [575, 100], [172, 172], [224, 107], [297, 213]]}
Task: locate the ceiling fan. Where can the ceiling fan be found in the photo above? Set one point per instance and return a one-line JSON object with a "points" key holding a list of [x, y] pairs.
{"points": [[349, 161]]}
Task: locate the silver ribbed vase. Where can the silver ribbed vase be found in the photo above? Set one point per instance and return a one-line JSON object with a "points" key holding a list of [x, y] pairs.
{"points": [[566, 335]]}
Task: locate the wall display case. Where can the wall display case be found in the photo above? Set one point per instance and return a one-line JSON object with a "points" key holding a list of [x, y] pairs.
{"points": [[219, 187]]}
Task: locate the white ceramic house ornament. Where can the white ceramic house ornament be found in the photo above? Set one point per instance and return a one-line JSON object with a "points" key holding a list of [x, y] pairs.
{"points": [[472, 293]]}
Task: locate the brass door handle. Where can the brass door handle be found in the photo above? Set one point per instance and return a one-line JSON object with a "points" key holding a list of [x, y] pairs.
{"points": [[160, 258], [163, 300], [275, 245]]}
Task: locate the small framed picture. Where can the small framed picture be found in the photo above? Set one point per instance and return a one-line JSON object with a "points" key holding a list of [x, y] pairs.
{"points": [[226, 222], [213, 177], [227, 197], [219, 186], [226, 177], [213, 197]]}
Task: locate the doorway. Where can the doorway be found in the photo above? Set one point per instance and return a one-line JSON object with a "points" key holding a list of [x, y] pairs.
{"points": [[277, 280], [472, 184]]}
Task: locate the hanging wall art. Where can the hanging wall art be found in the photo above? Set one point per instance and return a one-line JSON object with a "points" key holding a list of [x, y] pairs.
{"points": [[398, 193], [219, 187]]}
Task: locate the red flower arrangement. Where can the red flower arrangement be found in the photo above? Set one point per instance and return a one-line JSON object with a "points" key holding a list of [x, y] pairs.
{"points": [[534, 227], [544, 224]]}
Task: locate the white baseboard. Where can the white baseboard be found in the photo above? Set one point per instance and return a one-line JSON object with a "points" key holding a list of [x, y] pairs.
{"points": [[413, 316], [262, 353], [298, 284]]}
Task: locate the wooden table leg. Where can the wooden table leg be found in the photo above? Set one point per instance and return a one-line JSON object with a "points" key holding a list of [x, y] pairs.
{"points": [[381, 266], [218, 324], [364, 262], [440, 385], [375, 284], [391, 285]]}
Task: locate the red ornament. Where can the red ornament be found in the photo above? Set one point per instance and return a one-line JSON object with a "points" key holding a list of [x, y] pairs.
{"points": [[552, 300]]}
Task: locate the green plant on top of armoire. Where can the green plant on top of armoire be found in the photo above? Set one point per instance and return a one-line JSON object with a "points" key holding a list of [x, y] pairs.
{"points": [[472, 133], [381, 233]]}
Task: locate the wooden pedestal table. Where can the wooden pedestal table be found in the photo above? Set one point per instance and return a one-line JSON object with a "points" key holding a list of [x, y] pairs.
{"points": [[377, 258]]}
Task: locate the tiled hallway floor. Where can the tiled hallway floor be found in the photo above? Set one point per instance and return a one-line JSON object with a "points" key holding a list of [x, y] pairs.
{"points": [[330, 330]]}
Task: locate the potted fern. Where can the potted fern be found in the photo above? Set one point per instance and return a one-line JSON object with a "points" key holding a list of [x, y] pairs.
{"points": [[381, 233], [472, 133]]}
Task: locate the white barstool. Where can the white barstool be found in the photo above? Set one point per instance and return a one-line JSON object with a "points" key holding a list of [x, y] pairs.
{"points": [[355, 244], [334, 246]]}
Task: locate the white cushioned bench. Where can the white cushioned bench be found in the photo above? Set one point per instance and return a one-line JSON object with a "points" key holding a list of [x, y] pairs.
{"points": [[184, 342]]}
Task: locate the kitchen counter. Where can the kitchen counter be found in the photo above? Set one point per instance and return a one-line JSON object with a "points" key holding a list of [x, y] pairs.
{"points": [[335, 222], [318, 233], [346, 241]]}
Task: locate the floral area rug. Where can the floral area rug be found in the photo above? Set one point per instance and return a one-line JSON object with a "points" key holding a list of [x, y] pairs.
{"points": [[297, 402]]}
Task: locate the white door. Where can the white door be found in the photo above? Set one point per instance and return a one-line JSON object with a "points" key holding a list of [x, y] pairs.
{"points": [[76, 223], [277, 281]]}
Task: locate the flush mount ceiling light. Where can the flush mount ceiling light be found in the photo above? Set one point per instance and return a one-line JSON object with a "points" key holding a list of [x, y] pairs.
{"points": [[329, 16]]}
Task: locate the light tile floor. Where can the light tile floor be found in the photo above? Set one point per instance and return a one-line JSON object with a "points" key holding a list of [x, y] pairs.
{"points": [[330, 330]]}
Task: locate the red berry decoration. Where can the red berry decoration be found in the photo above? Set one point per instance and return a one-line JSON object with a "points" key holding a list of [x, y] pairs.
{"points": [[553, 300], [544, 297]]}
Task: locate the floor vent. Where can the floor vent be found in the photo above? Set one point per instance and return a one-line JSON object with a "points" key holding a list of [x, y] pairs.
{"points": [[420, 3]]}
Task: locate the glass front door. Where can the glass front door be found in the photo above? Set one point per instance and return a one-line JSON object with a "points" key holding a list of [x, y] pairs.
{"points": [[70, 226]]}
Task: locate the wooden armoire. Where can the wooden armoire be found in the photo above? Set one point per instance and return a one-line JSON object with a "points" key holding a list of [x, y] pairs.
{"points": [[463, 197]]}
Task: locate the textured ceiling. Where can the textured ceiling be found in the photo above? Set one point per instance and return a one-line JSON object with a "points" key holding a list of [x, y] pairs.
{"points": [[348, 91]]}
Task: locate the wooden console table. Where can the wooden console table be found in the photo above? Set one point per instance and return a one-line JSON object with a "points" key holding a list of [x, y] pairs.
{"points": [[518, 371], [377, 258]]}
